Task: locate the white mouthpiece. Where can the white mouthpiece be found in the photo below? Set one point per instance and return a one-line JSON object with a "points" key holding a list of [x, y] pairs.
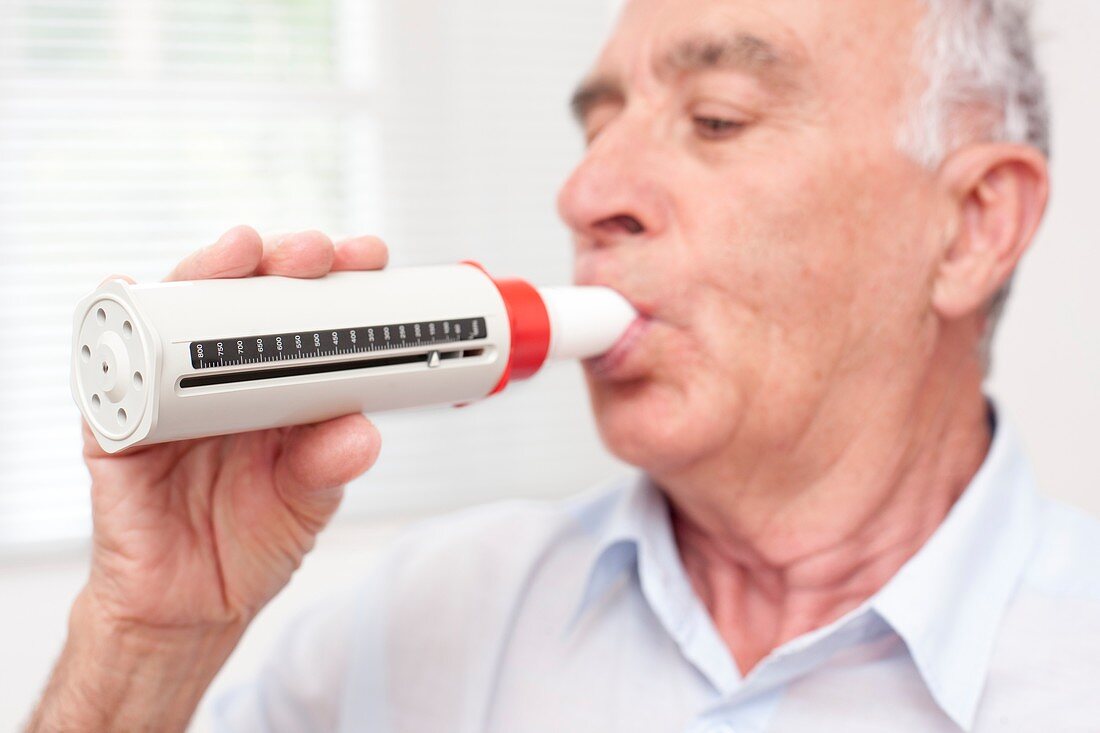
{"points": [[585, 321]]}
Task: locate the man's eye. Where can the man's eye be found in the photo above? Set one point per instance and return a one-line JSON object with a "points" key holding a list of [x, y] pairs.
{"points": [[713, 128]]}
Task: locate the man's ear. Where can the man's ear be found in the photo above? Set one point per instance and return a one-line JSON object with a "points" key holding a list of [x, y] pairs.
{"points": [[998, 193]]}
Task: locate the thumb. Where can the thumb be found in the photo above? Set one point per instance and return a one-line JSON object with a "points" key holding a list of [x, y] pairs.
{"points": [[317, 460]]}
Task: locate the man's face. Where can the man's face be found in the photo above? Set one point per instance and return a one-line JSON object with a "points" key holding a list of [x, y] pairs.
{"points": [[743, 187]]}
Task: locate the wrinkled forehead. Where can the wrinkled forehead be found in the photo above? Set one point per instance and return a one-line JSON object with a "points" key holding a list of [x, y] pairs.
{"points": [[842, 42]]}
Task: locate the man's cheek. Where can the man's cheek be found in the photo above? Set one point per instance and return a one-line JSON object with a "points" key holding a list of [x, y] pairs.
{"points": [[702, 370]]}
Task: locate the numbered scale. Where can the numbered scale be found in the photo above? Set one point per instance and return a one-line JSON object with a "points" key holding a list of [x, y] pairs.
{"points": [[363, 340], [172, 361], [311, 345]]}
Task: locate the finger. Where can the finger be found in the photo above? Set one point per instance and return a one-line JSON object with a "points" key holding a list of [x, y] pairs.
{"points": [[93, 451], [124, 278], [361, 253], [319, 458], [237, 253], [303, 254], [91, 445]]}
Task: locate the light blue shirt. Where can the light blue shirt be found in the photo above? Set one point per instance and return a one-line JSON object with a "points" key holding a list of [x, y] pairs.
{"points": [[578, 616]]}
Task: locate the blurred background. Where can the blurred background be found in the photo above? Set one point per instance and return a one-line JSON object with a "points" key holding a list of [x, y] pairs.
{"points": [[134, 131]]}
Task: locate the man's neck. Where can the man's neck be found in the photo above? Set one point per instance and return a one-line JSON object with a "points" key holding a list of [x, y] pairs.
{"points": [[773, 565]]}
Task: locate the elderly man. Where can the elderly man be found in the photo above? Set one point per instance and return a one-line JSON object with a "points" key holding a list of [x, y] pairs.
{"points": [[817, 207]]}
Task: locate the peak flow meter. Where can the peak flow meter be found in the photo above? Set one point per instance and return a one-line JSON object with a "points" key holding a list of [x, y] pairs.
{"points": [[172, 361]]}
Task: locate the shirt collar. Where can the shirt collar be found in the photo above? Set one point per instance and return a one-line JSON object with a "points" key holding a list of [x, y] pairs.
{"points": [[945, 603], [633, 534]]}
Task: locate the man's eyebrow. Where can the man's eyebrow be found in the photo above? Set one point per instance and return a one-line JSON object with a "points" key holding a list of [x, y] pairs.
{"points": [[743, 52], [594, 92], [737, 52]]}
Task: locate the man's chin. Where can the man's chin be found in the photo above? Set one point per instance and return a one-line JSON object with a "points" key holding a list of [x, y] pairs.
{"points": [[637, 426]]}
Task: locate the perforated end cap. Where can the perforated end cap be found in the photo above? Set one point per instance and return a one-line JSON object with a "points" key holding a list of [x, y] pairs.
{"points": [[111, 372]]}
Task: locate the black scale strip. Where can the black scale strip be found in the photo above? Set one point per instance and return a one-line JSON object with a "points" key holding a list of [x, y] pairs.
{"points": [[277, 347]]}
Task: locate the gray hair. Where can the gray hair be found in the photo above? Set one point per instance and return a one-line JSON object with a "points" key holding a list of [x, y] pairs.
{"points": [[978, 57], [982, 82]]}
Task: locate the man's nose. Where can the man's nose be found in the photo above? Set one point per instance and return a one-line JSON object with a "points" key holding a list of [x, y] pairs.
{"points": [[615, 195]]}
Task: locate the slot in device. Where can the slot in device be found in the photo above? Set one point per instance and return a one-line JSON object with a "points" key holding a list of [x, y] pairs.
{"points": [[429, 358]]}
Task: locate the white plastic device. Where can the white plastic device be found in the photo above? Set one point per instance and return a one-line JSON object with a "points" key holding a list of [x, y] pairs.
{"points": [[172, 361]]}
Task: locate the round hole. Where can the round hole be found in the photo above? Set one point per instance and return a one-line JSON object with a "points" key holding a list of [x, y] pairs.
{"points": [[138, 381], [121, 416], [127, 329], [86, 353], [101, 316], [106, 368], [95, 401]]}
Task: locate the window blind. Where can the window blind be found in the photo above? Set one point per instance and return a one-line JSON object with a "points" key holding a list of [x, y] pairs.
{"points": [[133, 131]]}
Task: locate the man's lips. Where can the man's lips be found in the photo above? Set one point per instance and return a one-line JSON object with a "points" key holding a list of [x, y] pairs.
{"points": [[608, 362], [612, 360]]}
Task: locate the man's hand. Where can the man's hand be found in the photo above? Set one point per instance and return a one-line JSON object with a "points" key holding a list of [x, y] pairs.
{"points": [[191, 539]]}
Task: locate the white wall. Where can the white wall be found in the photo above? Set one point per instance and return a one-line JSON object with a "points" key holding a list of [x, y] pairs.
{"points": [[1048, 355]]}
